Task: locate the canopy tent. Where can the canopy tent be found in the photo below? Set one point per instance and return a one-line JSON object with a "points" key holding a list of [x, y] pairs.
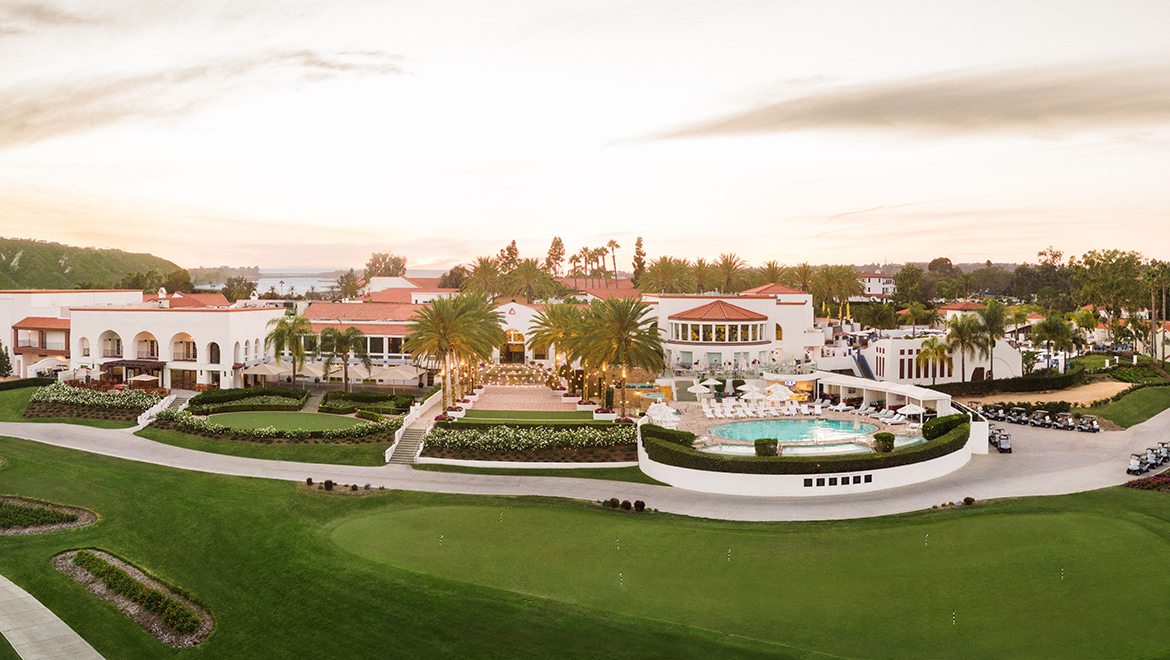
{"points": [[911, 409], [893, 394], [49, 363]]}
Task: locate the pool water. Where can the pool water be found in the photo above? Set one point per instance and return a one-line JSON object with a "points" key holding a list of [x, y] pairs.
{"points": [[801, 430]]}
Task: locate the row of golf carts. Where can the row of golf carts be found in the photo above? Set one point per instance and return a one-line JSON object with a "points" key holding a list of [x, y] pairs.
{"points": [[1040, 418], [1153, 458]]}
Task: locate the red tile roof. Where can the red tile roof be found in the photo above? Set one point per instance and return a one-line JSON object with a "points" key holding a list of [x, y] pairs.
{"points": [[367, 311], [964, 306], [868, 275], [718, 311], [370, 329], [774, 290], [178, 299], [41, 323]]}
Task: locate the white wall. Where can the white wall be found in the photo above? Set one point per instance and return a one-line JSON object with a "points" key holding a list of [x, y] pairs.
{"points": [[49, 303]]}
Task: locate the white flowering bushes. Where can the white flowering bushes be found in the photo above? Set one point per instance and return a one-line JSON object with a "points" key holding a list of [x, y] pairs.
{"points": [[382, 431], [507, 438], [61, 393]]}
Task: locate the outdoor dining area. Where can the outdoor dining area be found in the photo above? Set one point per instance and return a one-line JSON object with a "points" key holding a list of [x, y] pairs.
{"points": [[276, 371], [112, 381]]}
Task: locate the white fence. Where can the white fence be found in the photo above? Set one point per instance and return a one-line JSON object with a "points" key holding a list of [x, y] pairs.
{"points": [[149, 415], [416, 412]]}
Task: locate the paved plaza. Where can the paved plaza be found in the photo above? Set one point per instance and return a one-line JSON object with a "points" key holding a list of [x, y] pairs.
{"points": [[520, 397]]}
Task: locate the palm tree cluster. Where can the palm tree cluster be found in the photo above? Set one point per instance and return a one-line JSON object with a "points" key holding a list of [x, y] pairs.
{"points": [[609, 338], [457, 334], [294, 334], [506, 274]]}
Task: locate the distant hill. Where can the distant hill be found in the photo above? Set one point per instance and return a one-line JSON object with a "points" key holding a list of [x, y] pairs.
{"points": [[31, 264]]}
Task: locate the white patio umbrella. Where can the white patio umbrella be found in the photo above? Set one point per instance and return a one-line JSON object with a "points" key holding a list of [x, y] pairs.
{"points": [[911, 409], [401, 372], [142, 378], [355, 371], [776, 387], [312, 369], [754, 396], [711, 382], [748, 387], [266, 369], [49, 363], [698, 389], [778, 397]]}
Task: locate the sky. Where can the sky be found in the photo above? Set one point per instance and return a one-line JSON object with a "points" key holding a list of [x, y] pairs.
{"points": [[306, 134]]}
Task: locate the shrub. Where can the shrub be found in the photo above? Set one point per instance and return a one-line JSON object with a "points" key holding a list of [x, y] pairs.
{"points": [[13, 514], [75, 396], [766, 447], [613, 502], [309, 481], [684, 438], [328, 484], [22, 383], [940, 426], [175, 614], [884, 442], [626, 505], [735, 385], [639, 506], [968, 501], [1035, 383], [509, 438], [353, 488], [210, 397]]}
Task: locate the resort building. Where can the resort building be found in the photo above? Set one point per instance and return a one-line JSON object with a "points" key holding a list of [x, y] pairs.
{"points": [[383, 324], [961, 308], [406, 290], [878, 287]]}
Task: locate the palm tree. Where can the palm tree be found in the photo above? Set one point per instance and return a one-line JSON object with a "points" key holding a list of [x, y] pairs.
{"points": [[1056, 335], [622, 332], [668, 275], [584, 254], [801, 276], [289, 333], [340, 345], [965, 335], [599, 255], [530, 281], [554, 327], [450, 330], [703, 274], [730, 272], [772, 273], [575, 262], [613, 248], [484, 277], [932, 353], [1019, 318], [993, 319], [915, 312]]}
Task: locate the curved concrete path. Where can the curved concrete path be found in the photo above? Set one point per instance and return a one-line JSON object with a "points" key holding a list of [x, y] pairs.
{"points": [[34, 632], [1044, 462]]}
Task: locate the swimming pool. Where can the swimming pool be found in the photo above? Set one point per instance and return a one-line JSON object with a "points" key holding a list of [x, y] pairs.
{"points": [[820, 431]]}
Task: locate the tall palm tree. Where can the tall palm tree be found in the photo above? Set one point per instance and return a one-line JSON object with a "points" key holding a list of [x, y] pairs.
{"points": [[599, 255], [613, 248], [846, 285], [1056, 335], [965, 335], [730, 269], [915, 312], [1019, 318], [994, 318], [289, 333], [932, 353], [704, 275], [585, 255], [530, 281], [341, 345], [484, 277], [575, 262], [623, 332], [668, 275], [801, 276], [450, 330], [554, 327], [772, 273]]}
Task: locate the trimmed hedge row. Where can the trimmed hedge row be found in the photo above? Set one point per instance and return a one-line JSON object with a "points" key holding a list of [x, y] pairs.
{"points": [[349, 409], [26, 382], [1074, 376], [684, 438], [942, 425], [211, 397], [397, 400], [262, 402], [486, 425], [175, 614], [669, 453]]}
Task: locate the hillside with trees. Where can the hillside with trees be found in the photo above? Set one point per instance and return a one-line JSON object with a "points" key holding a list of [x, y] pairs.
{"points": [[32, 264]]}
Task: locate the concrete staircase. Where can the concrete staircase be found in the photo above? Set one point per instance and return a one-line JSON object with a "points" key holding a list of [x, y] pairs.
{"points": [[313, 403], [177, 403], [407, 447]]}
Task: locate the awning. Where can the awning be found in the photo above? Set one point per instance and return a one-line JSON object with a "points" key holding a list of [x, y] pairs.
{"points": [[135, 364]]}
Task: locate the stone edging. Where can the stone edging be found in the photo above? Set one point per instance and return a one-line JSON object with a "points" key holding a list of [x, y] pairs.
{"points": [[84, 516], [520, 465]]}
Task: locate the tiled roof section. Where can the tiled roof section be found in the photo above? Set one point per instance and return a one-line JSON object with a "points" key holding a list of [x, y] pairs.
{"points": [[67, 290], [718, 311], [774, 290], [427, 283], [369, 329], [191, 299], [964, 306], [871, 275], [41, 323], [402, 295], [368, 311]]}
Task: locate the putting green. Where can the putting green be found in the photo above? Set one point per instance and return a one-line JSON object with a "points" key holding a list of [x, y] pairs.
{"points": [[285, 421], [873, 588]]}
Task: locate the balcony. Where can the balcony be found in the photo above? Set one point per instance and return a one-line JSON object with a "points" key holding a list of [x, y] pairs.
{"points": [[147, 355], [185, 357], [34, 347], [112, 352]]}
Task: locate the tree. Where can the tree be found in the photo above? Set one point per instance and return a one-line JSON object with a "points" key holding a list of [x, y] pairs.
{"points": [[1086, 320], [624, 333], [704, 276], [575, 262], [965, 335], [730, 273], [1019, 318], [454, 278], [584, 256], [801, 276], [237, 288], [555, 257], [528, 280], [639, 262], [288, 333], [484, 277], [943, 266], [5, 362], [348, 285], [1110, 279], [341, 345], [669, 275], [385, 264], [451, 330], [508, 258], [932, 355], [554, 327], [1056, 335], [915, 313], [909, 281], [772, 273], [178, 280], [993, 318], [613, 248]]}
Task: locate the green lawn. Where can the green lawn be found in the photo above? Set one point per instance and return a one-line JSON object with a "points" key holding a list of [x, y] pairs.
{"points": [[1092, 361], [630, 474], [6, 650], [529, 415], [258, 554], [13, 403], [1134, 408], [370, 454], [285, 420]]}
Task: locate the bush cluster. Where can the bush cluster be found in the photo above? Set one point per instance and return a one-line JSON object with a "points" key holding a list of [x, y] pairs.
{"points": [[347, 403], [684, 438], [767, 447], [175, 614], [201, 425], [483, 424], [884, 442], [75, 396], [210, 397], [1135, 375], [22, 383], [672, 454], [942, 425], [1129, 390], [508, 438], [23, 515], [1156, 482], [1034, 383]]}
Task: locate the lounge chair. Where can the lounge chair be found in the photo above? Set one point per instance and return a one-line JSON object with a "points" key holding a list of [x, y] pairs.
{"points": [[885, 414], [896, 419], [804, 409], [817, 412], [868, 410]]}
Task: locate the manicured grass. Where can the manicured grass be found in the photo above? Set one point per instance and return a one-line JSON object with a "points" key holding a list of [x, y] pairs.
{"points": [[1134, 408], [529, 415], [258, 554], [13, 403], [6, 650], [630, 474], [1092, 361], [368, 454], [284, 420]]}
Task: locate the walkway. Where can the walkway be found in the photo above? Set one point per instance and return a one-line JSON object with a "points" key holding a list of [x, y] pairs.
{"points": [[35, 632], [496, 397]]}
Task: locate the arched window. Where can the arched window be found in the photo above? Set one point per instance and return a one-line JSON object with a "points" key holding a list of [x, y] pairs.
{"points": [[779, 332], [213, 353]]}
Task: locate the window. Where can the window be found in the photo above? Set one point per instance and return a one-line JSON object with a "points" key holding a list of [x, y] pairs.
{"points": [[808, 483], [779, 332], [694, 331], [857, 479], [686, 357], [721, 333], [733, 333], [377, 345], [832, 481], [821, 481], [213, 353], [901, 368], [714, 358], [869, 478], [706, 332]]}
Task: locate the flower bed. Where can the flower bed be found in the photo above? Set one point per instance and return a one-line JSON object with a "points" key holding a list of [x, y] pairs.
{"points": [[243, 399], [20, 516], [346, 403], [612, 454], [37, 409], [1159, 482], [369, 432], [60, 400], [162, 611], [508, 438]]}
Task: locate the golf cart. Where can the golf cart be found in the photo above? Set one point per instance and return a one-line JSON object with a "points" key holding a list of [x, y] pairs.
{"points": [[1040, 418], [1003, 443], [1017, 416], [1137, 464], [1154, 456], [1164, 451], [1088, 424], [1064, 422], [994, 412]]}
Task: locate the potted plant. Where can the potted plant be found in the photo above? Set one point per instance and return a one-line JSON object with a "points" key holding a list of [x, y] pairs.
{"points": [[583, 406], [604, 415], [569, 397], [456, 411]]}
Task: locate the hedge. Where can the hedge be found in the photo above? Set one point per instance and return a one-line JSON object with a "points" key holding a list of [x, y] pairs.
{"points": [[942, 425], [211, 397], [487, 424], [767, 447], [175, 614], [670, 453], [1074, 376], [1129, 390], [397, 400], [352, 408], [26, 382], [684, 438]]}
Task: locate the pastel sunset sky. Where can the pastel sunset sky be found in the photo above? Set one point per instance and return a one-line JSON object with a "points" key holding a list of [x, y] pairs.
{"points": [[307, 133]]}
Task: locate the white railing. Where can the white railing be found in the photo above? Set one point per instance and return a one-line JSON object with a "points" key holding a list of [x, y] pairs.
{"points": [[412, 416], [149, 415]]}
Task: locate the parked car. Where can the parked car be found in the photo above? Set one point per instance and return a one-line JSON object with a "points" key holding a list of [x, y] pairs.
{"points": [[1088, 424], [1040, 418]]}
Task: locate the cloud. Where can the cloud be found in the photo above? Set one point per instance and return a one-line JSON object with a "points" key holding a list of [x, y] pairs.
{"points": [[24, 17], [32, 112], [1043, 101]]}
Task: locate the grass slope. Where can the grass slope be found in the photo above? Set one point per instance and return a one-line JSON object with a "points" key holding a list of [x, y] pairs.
{"points": [[864, 589], [43, 265], [285, 420], [258, 554], [371, 454], [1134, 408], [628, 474], [13, 403], [6, 650]]}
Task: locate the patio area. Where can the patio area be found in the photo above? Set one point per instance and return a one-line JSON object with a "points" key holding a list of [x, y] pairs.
{"points": [[520, 397]]}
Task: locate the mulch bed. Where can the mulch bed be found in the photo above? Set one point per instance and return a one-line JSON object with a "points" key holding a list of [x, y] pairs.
{"points": [[168, 425], [151, 622], [40, 409], [84, 517], [586, 455]]}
